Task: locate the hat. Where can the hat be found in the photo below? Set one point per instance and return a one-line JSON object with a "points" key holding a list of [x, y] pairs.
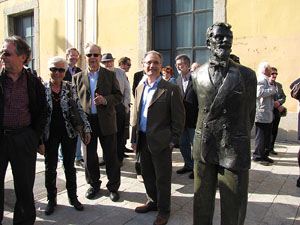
{"points": [[107, 57]]}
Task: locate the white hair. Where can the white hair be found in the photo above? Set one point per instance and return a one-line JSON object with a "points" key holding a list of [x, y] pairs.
{"points": [[262, 67], [57, 59]]}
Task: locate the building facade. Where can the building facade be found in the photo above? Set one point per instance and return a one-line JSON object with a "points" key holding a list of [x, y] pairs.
{"points": [[263, 31]]}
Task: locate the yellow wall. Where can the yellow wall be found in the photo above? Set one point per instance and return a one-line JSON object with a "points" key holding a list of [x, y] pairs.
{"points": [[268, 30], [118, 30], [52, 32]]}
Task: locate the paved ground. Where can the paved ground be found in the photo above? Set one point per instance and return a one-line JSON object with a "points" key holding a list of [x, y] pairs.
{"points": [[273, 196]]}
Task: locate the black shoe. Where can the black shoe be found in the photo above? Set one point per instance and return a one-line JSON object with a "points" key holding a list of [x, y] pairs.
{"points": [[257, 159], [91, 192], [79, 163], [150, 206], [125, 156], [184, 170], [191, 176], [128, 150], [273, 152], [114, 196], [267, 159], [50, 207], [298, 182], [102, 163], [77, 205]]}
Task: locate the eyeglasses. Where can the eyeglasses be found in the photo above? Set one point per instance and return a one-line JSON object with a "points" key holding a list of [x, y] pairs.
{"points": [[274, 73], [150, 62], [94, 54], [7, 54], [54, 69]]}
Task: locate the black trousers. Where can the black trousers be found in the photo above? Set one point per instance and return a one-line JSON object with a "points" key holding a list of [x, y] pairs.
{"points": [[233, 186], [91, 160], [20, 150], [157, 174], [275, 125], [262, 140], [121, 116], [68, 147]]}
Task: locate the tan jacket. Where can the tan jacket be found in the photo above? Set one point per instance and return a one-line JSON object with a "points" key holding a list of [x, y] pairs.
{"points": [[165, 118], [108, 87]]}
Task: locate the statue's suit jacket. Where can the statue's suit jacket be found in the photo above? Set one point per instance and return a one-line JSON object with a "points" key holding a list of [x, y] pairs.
{"points": [[108, 87], [226, 116], [165, 118]]}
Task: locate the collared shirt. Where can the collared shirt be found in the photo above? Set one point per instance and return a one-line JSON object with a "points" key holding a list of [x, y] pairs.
{"points": [[185, 81], [146, 99], [16, 106], [72, 70], [93, 78]]}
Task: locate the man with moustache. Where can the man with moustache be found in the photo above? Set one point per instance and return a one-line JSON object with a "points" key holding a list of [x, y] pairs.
{"points": [[226, 94], [23, 114], [158, 120], [184, 81], [99, 92]]}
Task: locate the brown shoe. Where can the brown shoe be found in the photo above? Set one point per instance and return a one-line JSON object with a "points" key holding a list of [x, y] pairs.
{"points": [[161, 219], [150, 206]]}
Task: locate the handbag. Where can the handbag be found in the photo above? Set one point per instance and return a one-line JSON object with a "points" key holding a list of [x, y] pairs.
{"points": [[74, 115], [295, 92]]}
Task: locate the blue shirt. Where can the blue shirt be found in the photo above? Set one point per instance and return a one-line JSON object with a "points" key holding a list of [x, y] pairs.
{"points": [[93, 78], [146, 99]]}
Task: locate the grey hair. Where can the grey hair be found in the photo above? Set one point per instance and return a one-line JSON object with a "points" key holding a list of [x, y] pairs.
{"points": [[262, 67], [91, 44], [57, 59], [68, 51], [184, 58], [154, 52]]}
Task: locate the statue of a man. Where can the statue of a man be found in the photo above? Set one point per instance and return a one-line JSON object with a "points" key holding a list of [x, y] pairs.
{"points": [[226, 94]]}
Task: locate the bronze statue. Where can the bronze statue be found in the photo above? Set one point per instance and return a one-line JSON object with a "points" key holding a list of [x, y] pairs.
{"points": [[226, 94]]}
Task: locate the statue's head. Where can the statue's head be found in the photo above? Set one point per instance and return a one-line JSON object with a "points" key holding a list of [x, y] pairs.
{"points": [[219, 40]]}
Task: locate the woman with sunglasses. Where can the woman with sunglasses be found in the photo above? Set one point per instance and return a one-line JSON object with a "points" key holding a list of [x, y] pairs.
{"points": [[167, 73], [58, 131]]}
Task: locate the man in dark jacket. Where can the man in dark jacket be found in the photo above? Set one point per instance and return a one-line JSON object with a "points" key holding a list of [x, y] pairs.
{"points": [[226, 95], [23, 112]]}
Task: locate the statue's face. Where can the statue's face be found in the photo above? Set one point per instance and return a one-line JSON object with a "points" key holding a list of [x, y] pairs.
{"points": [[221, 42]]}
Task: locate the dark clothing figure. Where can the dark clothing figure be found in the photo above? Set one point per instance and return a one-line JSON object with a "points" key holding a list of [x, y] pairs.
{"points": [[280, 97], [226, 94], [68, 76], [19, 142]]}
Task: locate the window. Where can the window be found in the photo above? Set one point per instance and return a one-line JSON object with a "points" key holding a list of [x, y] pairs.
{"points": [[24, 27], [179, 27]]}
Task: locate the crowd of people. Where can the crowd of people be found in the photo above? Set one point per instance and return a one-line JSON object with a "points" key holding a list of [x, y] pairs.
{"points": [[208, 111]]}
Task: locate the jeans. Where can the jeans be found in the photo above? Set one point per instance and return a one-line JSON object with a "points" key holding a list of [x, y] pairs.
{"points": [[185, 145], [78, 155]]}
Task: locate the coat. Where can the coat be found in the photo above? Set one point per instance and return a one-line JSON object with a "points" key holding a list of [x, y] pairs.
{"points": [[190, 103], [108, 87], [264, 100], [165, 118], [226, 117], [72, 133]]}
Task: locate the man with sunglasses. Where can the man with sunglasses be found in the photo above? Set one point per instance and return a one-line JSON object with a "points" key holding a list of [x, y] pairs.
{"points": [[99, 92], [125, 63], [23, 113]]}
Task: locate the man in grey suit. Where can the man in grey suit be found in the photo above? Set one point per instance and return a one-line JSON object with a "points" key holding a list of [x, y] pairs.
{"points": [[158, 120], [264, 113], [99, 93], [226, 94], [184, 81]]}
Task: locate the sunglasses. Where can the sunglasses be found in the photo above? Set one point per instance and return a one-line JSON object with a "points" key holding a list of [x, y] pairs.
{"points": [[54, 69], [128, 64], [90, 55], [274, 73], [7, 54]]}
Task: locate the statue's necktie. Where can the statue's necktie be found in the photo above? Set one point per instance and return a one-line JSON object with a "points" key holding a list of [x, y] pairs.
{"points": [[217, 77]]}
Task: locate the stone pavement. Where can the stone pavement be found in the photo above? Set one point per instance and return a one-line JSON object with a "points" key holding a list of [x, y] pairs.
{"points": [[273, 195]]}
